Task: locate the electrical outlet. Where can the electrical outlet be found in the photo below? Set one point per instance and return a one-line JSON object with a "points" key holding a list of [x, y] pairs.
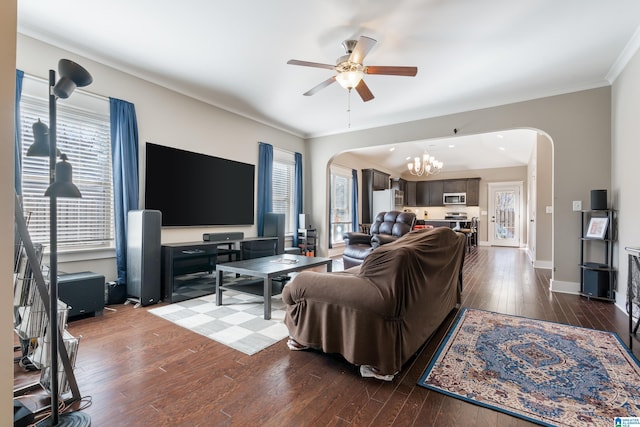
{"points": [[577, 205]]}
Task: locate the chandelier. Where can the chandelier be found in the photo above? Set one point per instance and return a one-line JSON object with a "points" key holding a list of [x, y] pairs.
{"points": [[428, 165]]}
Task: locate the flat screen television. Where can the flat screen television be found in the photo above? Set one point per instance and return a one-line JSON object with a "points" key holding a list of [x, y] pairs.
{"points": [[193, 189]]}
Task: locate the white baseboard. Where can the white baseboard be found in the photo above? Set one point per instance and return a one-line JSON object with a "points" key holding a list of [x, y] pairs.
{"points": [[547, 265], [565, 287]]}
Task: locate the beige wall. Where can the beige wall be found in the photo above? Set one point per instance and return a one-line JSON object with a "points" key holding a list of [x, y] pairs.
{"points": [[578, 122], [7, 96], [625, 167], [164, 117], [540, 219], [544, 199]]}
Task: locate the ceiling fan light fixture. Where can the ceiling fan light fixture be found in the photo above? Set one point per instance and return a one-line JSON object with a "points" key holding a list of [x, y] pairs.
{"points": [[349, 79]]}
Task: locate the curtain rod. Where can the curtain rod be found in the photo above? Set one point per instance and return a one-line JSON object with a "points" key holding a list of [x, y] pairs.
{"points": [[83, 91], [277, 148]]}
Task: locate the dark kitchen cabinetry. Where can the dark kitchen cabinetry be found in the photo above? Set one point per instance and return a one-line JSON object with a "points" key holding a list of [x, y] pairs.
{"points": [[422, 193], [429, 193], [473, 192], [410, 193], [399, 184], [436, 189], [372, 180], [378, 180], [454, 186]]}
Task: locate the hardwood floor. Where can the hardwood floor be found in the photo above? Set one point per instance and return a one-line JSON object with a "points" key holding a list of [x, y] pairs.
{"points": [[136, 369]]}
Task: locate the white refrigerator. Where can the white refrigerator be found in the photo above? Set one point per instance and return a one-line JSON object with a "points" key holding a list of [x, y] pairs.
{"points": [[386, 200]]}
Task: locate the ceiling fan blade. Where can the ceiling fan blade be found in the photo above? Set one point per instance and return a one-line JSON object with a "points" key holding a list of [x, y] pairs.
{"points": [[322, 85], [363, 47], [311, 64], [364, 92], [391, 71]]}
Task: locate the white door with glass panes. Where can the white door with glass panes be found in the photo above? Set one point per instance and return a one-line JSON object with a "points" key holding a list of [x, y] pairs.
{"points": [[340, 204], [505, 214]]}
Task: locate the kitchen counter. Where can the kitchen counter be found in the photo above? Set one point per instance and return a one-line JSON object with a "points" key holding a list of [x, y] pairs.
{"points": [[441, 222], [430, 220]]}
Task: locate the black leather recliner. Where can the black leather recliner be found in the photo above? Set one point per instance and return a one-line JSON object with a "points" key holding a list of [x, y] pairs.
{"points": [[387, 227]]}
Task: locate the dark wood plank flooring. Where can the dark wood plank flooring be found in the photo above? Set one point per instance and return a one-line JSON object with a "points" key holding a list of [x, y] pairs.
{"points": [[136, 369]]}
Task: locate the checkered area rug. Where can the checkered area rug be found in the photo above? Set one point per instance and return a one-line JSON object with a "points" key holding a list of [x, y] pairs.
{"points": [[237, 323]]}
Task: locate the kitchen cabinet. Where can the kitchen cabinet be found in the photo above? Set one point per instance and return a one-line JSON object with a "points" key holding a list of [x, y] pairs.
{"points": [[473, 192], [399, 184], [422, 193], [379, 180], [454, 186], [429, 193], [410, 194], [372, 180], [436, 189]]}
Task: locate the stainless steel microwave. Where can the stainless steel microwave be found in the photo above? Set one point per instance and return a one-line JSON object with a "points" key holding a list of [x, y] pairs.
{"points": [[454, 198]]}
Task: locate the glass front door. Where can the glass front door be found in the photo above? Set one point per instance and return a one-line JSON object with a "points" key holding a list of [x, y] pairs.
{"points": [[505, 214]]}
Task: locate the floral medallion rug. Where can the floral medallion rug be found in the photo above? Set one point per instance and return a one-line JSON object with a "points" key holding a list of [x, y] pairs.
{"points": [[547, 373]]}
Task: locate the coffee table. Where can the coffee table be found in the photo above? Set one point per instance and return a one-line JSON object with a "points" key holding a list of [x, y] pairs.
{"points": [[267, 268]]}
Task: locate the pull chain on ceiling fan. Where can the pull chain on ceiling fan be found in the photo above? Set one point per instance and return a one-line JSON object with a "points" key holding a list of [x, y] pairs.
{"points": [[350, 69]]}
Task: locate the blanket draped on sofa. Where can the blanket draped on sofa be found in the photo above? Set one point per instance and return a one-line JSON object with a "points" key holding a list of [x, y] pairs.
{"points": [[380, 313]]}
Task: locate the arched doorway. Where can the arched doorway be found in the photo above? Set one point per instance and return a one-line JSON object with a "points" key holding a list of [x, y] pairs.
{"points": [[535, 172]]}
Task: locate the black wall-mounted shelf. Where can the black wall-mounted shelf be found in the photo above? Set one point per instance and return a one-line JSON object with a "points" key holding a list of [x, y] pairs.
{"points": [[597, 275]]}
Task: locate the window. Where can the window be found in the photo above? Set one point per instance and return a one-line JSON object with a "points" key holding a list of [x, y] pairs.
{"points": [[283, 180], [83, 134], [341, 184]]}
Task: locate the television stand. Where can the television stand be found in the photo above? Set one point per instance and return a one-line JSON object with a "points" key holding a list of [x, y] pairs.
{"points": [[187, 267]]}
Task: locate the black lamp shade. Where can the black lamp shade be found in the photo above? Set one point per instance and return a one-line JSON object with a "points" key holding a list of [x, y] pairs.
{"points": [[63, 185], [40, 146], [72, 75]]}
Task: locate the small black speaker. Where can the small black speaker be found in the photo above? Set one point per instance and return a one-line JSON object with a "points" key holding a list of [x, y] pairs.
{"points": [[596, 283], [598, 200]]}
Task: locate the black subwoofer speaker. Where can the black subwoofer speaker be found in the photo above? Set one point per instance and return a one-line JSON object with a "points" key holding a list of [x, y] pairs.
{"points": [[596, 283], [598, 200], [82, 292], [143, 256], [258, 248]]}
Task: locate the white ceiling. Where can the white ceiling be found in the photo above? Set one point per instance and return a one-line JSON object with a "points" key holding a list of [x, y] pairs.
{"points": [[468, 152], [233, 54]]}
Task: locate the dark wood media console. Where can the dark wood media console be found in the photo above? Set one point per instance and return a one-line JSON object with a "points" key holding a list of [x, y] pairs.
{"points": [[181, 259]]}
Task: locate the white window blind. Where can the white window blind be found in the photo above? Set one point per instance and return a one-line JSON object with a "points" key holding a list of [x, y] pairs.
{"points": [[283, 187], [84, 136]]}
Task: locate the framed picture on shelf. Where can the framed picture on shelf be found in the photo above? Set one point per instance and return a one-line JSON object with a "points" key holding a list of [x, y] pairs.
{"points": [[597, 228]]}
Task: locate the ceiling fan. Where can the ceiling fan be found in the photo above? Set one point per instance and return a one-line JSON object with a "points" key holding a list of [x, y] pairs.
{"points": [[351, 70]]}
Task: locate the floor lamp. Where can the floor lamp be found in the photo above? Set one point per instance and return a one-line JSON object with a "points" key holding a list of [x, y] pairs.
{"points": [[72, 75]]}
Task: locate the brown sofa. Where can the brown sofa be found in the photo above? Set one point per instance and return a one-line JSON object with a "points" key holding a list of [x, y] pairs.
{"points": [[379, 313], [387, 227]]}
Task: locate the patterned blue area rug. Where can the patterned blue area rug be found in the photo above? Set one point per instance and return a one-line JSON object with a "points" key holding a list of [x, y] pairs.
{"points": [[547, 373]]}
